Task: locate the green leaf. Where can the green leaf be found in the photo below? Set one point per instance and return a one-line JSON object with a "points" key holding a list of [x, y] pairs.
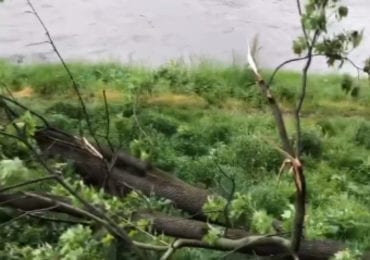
{"points": [[262, 222], [214, 207], [213, 234]]}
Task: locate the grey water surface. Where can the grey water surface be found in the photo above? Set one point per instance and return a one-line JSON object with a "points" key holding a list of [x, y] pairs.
{"points": [[152, 32]]}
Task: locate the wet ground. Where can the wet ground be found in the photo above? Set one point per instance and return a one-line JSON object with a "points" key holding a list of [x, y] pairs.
{"points": [[152, 32]]}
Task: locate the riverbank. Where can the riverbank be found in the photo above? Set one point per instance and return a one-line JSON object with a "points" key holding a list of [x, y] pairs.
{"points": [[184, 119], [208, 83]]}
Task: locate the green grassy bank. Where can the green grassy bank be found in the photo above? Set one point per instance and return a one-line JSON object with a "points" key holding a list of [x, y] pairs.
{"points": [[184, 119]]}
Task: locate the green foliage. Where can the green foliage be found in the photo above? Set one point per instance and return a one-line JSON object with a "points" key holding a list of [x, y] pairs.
{"points": [[12, 171], [315, 19], [48, 79], [62, 122], [161, 123], [214, 207], [75, 243], [344, 219], [254, 155], [272, 197], [347, 83], [71, 110], [262, 222], [363, 135], [242, 207], [206, 146], [189, 141], [347, 254], [311, 144], [355, 92], [196, 144], [213, 234], [299, 45]]}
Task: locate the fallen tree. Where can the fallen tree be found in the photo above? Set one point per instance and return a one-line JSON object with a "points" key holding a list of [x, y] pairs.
{"points": [[118, 173], [188, 232], [124, 176]]}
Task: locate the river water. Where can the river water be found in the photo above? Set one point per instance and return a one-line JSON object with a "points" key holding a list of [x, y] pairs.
{"points": [[153, 32]]}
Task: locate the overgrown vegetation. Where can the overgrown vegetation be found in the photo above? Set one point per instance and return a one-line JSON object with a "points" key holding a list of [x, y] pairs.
{"points": [[207, 124], [186, 134]]}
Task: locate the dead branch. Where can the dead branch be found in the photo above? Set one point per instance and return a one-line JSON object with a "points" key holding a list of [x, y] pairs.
{"points": [[299, 178], [75, 85], [188, 232]]}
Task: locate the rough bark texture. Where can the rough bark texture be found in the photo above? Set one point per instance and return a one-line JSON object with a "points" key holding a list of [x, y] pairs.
{"points": [[193, 229], [185, 228], [25, 203], [126, 174]]}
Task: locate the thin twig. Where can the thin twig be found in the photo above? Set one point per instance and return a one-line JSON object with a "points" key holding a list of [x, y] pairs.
{"points": [[107, 116], [303, 28], [303, 93], [26, 109], [281, 65], [358, 68], [230, 195], [276, 111], [58, 220], [68, 71], [27, 183], [134, 112], [11, 115], [26, 213]]}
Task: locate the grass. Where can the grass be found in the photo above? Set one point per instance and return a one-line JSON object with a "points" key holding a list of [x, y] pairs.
{"points": [[191, 116], [205, 83]]}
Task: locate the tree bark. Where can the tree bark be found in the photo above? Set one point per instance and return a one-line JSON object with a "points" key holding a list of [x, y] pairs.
{"points": [[127, 173], [183, 228]]}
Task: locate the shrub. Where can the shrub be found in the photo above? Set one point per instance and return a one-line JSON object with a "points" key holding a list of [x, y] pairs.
{"points": [[160, 122], [286, 93], [355, 92], [68, 109], [201, 170], [347, 83], [311, 144], [63, 122], [174, 73], [271, 196], [48, 79], [363, 135], [327, 127], [190, 142], [254, 155]]}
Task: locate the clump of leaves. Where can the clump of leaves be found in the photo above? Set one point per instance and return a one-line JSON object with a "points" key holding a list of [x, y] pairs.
{"points": [[174, 74], [160, 122], [355, 92], [347, 83], [262, 222], [363, 135], [311, 144], [214, 207], [347, 254], [286, 93], [69, 109], [315, 19]]}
